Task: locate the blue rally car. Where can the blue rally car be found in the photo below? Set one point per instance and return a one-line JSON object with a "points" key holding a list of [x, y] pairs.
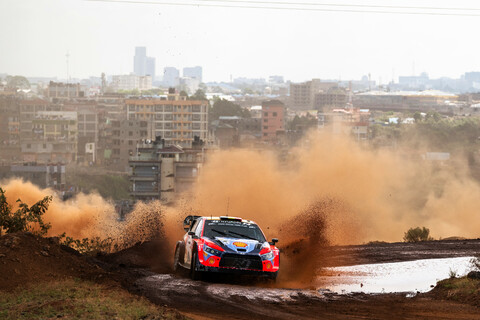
{"points": [[225, 244]]}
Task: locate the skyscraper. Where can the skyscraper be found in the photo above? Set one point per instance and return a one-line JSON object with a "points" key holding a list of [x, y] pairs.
{"points": [[171, 77], [150, 67], [140, 61], [193, 72], [143, 65]]}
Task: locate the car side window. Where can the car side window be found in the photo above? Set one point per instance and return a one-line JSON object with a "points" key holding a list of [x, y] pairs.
{"points": [[195, 225], [198, 231]]}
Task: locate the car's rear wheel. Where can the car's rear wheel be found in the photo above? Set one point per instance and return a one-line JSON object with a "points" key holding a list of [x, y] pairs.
{"points": [[194, 273]]}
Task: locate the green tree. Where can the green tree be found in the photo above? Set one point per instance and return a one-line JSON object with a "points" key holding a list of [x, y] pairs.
{"points": [[198, 95], [417, 234], [223, 107], [18, 82], [433, 116], [183, 93], [25, 218], [133, 92], [417, 116], [302, 123]]}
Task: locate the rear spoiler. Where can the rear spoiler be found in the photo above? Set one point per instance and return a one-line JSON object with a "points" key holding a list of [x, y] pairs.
{"points": [[189, 221]]}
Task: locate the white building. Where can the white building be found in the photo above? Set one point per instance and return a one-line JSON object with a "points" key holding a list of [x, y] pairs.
{"points": [[131, 82]]}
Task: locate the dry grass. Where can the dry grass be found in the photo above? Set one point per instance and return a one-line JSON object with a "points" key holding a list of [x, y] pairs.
{"points": [[78, 299], [459, 289]]}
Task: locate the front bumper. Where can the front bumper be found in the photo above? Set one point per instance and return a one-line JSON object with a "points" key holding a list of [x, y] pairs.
{"points": [[239, 264], [248, 272]]}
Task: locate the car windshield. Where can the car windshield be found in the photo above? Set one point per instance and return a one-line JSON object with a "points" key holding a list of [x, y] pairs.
{"points": [[233, 229]]}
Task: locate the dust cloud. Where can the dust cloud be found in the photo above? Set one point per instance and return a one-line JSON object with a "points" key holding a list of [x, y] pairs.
{"points": [[359, 195], [379, 193], [91, 216]]}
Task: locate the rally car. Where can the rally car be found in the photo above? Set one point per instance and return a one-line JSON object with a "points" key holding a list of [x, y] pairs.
{"points": [[225, 244]]}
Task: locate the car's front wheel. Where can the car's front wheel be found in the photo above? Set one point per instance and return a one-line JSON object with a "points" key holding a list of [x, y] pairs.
{"points": [[194, 273], [179, 252]]}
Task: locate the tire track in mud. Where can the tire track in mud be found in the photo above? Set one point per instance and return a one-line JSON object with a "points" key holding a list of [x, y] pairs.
{"points": [[224, 299]]}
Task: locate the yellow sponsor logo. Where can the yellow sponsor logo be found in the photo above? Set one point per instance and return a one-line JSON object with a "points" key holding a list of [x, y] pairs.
{"points": [[240, 244]]}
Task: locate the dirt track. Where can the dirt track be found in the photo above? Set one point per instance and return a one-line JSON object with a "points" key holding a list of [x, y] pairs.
{"points": [[229, 297]]}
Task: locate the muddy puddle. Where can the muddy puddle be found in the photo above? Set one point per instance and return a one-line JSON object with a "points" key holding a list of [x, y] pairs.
{"points": [[409, 276]]}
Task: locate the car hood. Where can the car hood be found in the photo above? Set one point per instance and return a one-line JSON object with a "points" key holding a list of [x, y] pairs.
{"points": [[239, 245]]}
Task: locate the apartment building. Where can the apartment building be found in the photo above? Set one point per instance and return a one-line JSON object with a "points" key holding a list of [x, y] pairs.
{"points": [[9, 129], [160, 171], [88, 121], [131, 82], [302, 95], [54, 138], [332, 99], [176, 121], [64, 90], [273, 119], [120, 141]]}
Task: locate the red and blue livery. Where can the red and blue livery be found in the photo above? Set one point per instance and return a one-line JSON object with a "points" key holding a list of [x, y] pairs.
{"points": [[228, 245]]}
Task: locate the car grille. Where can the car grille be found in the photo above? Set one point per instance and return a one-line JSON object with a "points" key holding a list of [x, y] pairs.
{"points": [[241, 261]]}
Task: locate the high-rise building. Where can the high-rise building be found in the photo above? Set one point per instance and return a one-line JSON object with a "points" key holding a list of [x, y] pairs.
{"points": [[193, 72], [140, 61], [143, 65], [171, 77], [150, 67]]}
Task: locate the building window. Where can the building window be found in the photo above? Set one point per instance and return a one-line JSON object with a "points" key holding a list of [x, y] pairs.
{"points": [[130, 133], [265, 127], [265, 114], [274, 114], [265, 134], [265, 120], [130, 142]]}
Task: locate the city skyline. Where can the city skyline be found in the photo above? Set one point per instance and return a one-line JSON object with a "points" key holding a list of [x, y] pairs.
{"points": [[234, 42]]}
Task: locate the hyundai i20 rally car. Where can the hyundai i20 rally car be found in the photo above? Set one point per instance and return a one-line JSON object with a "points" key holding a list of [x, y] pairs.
{"points": [[228, 245]]}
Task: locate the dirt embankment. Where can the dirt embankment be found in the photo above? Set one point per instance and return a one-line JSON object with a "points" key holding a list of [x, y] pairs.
{"points": [[26, 258]]}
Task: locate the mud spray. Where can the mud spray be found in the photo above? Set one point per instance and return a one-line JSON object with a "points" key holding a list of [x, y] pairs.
{"points": [[330, 190]]}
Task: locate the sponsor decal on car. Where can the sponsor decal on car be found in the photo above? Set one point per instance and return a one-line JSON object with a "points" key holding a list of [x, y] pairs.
{"points": [[240, 244]]}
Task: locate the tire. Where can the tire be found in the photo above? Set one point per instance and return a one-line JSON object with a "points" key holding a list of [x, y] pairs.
{"points": [[273, 276], [178, 257], [194, 273]]}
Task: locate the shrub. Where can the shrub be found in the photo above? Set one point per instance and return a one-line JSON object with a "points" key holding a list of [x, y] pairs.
{"points": [[89, 246], [452, 274], [475, 263], [417, 234], [25, 218]]}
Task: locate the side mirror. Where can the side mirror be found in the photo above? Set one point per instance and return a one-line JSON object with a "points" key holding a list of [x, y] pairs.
{"points": [[274, 241]]}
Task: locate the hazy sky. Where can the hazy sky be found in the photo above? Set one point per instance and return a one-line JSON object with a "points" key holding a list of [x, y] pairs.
{"points": [[300, 45]]}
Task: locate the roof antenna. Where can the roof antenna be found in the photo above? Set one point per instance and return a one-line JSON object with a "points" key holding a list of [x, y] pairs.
{"points": [[228, 204]]}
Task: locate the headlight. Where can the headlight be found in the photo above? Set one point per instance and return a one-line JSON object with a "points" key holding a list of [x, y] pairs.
{"points": [[267, 256], [209, 250]]}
